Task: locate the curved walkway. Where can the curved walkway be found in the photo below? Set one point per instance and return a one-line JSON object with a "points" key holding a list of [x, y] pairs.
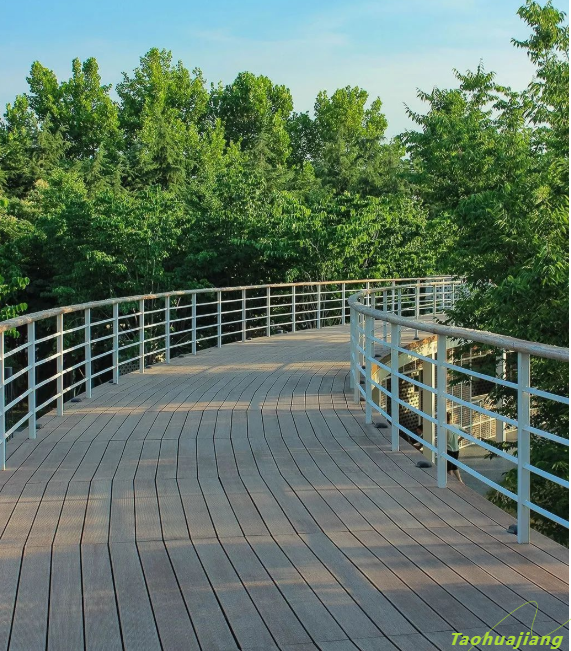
{"points": [[236, 499]]}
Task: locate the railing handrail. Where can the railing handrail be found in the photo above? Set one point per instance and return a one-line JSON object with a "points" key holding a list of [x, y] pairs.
{"points": [[32, 317], [481, 336], [377, 381]]}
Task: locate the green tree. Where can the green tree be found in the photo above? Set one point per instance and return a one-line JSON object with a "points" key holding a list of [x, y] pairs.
{"points": [[347, 144], [254, 113]]}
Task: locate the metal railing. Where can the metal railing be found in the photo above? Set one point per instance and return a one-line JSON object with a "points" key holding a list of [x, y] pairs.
{"points": [[401, 309], [61, 352]]}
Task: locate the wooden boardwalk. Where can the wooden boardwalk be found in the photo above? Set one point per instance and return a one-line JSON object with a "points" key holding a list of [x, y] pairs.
{"points": [[237, 500]]}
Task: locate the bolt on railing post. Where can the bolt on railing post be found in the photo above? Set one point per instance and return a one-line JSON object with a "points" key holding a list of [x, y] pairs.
{"points": [[268, 311], [343, 304], [142, 335], [395, 341], [59, 365], [2, 405], [293, 310], [87, 344], [318, 306], [523, 446], [115, 343], [244, 315], [219, 319], [32, 380], [369, 349], [441, 432], [167, 329]]}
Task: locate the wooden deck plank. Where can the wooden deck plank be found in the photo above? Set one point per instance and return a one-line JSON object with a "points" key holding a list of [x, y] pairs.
{"points": [[243, 617], [29, 628], [342, 607], [97, 513], [173, 623], [11, 560], [373, 602], [315, 618], [273, 608], [102, 629], [207, 616], [66, 610], [135, 611]]}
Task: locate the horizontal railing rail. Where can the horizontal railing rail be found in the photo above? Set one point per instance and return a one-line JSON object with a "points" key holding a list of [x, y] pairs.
{"points": [[62, 352], [438, 359]]}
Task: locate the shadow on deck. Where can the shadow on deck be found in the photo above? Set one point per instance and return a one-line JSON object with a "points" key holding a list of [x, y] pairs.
{"points": [[237, 499]]}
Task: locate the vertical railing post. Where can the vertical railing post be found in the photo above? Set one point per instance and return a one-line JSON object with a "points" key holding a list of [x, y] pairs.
{"points": [[428, 399], [167, 329], [59, 365], [268, 311], [399, 301], [356, 356], [318, 306], [501, 373], [385, 309], [416, 307], [219, 319], [393, 295], [523, 446], [395, 341], [115, 343], [343, 304], [32, 380], [293, 310], [369, 354], [434, 297], [142, 335], [351, 350], [361, 333], [244, 322], [441, 431], [87, 342], [2, 405], [193, 323]]}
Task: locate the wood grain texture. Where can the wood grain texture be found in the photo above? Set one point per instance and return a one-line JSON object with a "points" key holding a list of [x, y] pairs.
{"points": [[237, 500]]}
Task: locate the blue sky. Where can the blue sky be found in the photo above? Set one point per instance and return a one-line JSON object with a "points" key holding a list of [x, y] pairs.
{"points": [[388, 47]]}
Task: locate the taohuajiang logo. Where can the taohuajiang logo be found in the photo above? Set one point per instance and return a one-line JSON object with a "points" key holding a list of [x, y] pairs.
{"points": [[528, 639]]}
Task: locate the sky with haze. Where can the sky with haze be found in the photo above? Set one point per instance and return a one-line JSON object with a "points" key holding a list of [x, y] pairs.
{"points": [[388, 47]]}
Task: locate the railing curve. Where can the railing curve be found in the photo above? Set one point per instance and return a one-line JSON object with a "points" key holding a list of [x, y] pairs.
{"points": [[513, 363], [61, 352]]}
